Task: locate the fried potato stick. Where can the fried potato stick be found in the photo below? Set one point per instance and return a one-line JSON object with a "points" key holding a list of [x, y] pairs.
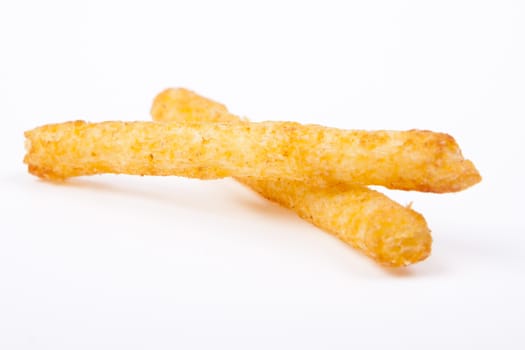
{"points": [[408, 160], [365, 219]]}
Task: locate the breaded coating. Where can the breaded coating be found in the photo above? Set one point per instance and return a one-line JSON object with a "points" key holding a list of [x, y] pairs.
{"points": [[367, 220], [408, 160]]}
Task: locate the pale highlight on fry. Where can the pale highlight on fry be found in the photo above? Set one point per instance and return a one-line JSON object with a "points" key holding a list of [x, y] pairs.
{"points": [[367, 220]]}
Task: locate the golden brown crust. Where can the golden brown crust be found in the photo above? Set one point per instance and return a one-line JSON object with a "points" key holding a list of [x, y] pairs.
{"points": [[367, 220], [408, 160]]}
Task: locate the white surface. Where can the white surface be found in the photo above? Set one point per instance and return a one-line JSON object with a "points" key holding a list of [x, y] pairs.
{"points": [[161, 263]]}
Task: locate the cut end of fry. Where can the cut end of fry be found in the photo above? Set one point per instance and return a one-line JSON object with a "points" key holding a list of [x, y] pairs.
{"points": [[455, 172], [400, 240]]}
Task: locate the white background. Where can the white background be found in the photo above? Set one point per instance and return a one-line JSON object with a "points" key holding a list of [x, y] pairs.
{"points": [[113, 262]]}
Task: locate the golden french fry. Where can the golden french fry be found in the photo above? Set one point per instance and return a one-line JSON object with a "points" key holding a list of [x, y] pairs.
{"points": [[367, 220], [408, 160]]}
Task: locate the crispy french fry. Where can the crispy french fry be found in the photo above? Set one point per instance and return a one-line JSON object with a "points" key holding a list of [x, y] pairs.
{"points": [[367, 220], [409, 160]]}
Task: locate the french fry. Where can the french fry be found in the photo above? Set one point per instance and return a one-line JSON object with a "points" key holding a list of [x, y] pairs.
{"points": [[365, 219], [408, 160]]}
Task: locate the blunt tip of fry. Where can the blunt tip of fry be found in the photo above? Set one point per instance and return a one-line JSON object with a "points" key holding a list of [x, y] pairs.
{"points": [[398, 240], [466, 174], [466, 177], [408, 250], [471, 175]]}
